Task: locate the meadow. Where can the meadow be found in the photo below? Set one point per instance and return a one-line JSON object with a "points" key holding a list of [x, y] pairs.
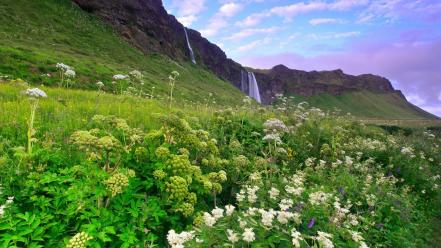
{"points": [[112, 167]]}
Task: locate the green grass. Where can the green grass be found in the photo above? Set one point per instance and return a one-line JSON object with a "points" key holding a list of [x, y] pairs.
{"points": [[365, 104], [35, 35]]}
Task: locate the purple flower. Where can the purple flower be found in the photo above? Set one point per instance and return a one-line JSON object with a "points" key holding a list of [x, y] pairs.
{"points": [[311, 223], [341, 191]]}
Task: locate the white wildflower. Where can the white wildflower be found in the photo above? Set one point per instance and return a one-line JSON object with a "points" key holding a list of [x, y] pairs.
{"points": [[285, 204], [248, 235], [177, 240], [217, 213], [229, 209], [232, 236], [324, 239], [273, 193], [319, 197], [35, 93], [267, 217], [70, 73], [119, 77], [209, 220], [100, 84], [296, 238], [284, 216]]}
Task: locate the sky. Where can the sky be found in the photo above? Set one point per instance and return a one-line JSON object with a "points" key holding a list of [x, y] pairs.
{"points": [[397, 39]]}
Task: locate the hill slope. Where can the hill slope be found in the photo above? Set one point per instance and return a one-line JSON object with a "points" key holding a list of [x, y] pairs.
{"points": [[35, 35]]}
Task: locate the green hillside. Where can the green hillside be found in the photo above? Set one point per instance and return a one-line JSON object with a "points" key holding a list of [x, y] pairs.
{"points": [[365, 104], [35, 35]]}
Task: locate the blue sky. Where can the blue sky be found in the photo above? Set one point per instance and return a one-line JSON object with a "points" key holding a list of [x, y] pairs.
{"points": [[398, 39]]}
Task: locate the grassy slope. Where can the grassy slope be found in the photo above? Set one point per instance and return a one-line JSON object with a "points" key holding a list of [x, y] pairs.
{"points": [[35, 35], [367, 104]]}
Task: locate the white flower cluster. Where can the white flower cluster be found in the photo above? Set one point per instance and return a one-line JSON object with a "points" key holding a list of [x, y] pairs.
{"points": [[67, 70], [408, 151], [325, 239], [248, 193], [319, 197], [274, 128], [8, 202], [119, 77], [36, 93], [177, 240]]}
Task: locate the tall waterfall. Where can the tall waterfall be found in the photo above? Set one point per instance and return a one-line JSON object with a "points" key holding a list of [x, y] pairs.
{"points": [[253, 87], [249, 85], [189, 47]]}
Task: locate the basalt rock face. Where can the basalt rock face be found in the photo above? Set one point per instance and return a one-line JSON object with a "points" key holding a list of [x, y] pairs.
{"points": [[281, 80], [147, 25]]}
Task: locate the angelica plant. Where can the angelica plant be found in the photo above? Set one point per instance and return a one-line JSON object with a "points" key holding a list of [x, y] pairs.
{"points": [[172, 81], [34, 97]]}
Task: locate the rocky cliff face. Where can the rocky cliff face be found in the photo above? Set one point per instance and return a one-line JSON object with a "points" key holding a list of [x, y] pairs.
{"points": [[148, 26], [281, 79]]}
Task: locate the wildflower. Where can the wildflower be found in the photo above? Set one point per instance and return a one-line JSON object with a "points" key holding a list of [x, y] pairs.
{"points": [[136, 74], [311, 223], [232, 236], [36, 93], [119, 77], [324, 239], [248, 235], [267, 217], [293, 190], [217, 213], [209, 220], [252, 197], [10, 200], [229, 210], [100, 84], [116, 183], [273, 193], [284, 216], [62, 66], [70, 73], [285, 204], [79, 240], [296, 238], [177, 240], [319, 197]]}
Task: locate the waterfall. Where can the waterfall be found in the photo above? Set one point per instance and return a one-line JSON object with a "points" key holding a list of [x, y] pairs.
{"points": [[189, 47], [253, 87]]}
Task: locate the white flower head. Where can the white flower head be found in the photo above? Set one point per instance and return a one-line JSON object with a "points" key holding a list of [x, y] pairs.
{"points": [[229, 209], [248, 235], [36, 93], [119, 77], [209, 220], [70, 73], [63, 67], [273, 193], [217, 213], [232, 236], [100, 84]]}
